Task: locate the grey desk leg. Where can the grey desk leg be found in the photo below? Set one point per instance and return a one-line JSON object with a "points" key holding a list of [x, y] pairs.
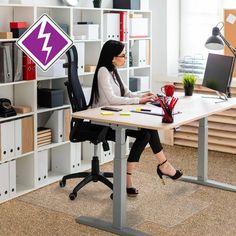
{"points": [[119, 186], [203, 150], [119, 195], [202, 177]]}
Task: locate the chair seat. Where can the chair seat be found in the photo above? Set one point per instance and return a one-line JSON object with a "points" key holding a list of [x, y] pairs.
{"points": [[85, 131]]}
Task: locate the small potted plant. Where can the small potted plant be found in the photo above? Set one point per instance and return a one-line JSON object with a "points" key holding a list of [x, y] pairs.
{"points": [[189, 81], [97, 3]]}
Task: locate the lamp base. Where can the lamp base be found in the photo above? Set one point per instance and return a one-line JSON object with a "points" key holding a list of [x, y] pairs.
{"points": [[222, 96]]}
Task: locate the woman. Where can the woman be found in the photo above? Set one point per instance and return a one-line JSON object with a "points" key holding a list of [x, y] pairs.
{"points": [[109, 89]]}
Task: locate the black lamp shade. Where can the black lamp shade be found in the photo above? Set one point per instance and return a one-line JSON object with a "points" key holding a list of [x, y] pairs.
{"points": [[214, 43]]}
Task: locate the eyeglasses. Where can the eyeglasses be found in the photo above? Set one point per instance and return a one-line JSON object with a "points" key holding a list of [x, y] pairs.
{"points": [[124, 56]]}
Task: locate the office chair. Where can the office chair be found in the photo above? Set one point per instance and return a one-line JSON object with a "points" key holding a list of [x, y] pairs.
{"points": [[82, 130]]}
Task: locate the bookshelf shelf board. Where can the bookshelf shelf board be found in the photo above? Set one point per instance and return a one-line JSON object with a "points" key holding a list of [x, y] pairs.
{"points": [[87, 40], [2, 119], [22, 189], [17, 157], [8, 40], [50, 78], [139, 67], [140, 38], [41, 110], [16, 83], [51, 145]]}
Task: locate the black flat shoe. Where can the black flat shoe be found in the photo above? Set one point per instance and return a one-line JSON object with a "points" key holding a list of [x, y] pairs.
{"points": [[132, 192], [177, 175]]}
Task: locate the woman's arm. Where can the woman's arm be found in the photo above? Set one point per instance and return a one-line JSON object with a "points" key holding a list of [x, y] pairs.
{"points": [[107, 90]]}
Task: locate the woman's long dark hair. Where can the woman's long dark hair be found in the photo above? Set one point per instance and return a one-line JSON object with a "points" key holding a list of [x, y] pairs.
{"points": [[110, 50]]}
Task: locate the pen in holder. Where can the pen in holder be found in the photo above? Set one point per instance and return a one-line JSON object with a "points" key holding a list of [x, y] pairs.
{"points": [[167, 108]]}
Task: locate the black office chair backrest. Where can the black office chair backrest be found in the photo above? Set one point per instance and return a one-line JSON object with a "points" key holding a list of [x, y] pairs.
{"points": [[81, 130], [73, 85]]}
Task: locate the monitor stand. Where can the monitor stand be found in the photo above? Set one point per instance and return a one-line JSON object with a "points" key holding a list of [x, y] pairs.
{"points": [[222, 96]]}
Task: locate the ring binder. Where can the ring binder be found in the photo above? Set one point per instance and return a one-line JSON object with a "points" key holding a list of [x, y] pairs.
{"points": [[5, 64]]}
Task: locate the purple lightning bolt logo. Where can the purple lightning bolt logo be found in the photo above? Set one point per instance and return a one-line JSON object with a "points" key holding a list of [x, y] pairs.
{"points": [[46, 36], [44, 42]]}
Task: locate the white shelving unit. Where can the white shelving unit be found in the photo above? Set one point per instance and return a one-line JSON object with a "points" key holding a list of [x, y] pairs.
{"points": [[61, 156]]}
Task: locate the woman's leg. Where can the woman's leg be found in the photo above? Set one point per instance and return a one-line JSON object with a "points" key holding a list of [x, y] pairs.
{"points": [[164, 165], [130, 168], [142, 138]]}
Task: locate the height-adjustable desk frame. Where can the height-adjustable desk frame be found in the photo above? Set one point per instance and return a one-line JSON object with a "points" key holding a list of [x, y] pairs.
{"points": [[192, 108]]}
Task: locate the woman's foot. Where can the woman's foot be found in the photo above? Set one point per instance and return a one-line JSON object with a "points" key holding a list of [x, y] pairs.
{"points": [[165, 168], [131, 191]]}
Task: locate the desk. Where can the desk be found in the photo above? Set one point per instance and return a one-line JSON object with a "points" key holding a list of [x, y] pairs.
{"points": [[192, 108]]}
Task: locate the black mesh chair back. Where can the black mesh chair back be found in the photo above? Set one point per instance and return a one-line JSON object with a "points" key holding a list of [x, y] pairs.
{"points": [[74, 88]]}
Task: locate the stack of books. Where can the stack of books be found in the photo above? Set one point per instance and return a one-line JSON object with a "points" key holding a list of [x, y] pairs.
{"points": [[44, 136]]}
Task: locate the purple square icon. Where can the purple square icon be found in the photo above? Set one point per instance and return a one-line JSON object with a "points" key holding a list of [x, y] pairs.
{"points": [[44, 42]]}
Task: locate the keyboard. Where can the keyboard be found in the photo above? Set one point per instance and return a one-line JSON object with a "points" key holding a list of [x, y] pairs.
{"points": [[156, 103]]}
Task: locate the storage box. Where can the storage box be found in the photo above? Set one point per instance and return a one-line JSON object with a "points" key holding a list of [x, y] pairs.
{"points": [[133, 84], [18, 32], [139, 83], [50, 97], [138, 27], [22, 109], [127, 4], [65, 28], [56, 70], [18, 25], [90, 68], [90, 31], [6, 35]]}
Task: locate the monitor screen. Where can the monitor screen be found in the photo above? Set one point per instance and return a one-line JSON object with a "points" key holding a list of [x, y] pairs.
{"points": [[218, 72]]}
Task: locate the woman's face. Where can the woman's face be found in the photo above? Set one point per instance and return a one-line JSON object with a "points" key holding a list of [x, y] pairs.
{"points": [[119, 60]]}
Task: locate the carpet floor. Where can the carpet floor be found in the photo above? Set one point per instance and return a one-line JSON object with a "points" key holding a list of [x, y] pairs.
{"points": [[177, 208]]}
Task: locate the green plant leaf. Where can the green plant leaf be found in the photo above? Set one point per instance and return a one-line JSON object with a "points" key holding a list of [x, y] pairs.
{"points": [[189, 80]]}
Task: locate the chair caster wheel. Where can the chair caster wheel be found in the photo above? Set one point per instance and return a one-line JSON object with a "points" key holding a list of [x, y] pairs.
{"points": [[111, 196], [72, 196], [62, 183]]}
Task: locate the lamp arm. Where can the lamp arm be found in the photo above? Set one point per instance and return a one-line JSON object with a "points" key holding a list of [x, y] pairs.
{"points": [[233, 50]]}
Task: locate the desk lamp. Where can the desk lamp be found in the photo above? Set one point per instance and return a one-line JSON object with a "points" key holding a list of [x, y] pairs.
{"points": [[217, 41]]}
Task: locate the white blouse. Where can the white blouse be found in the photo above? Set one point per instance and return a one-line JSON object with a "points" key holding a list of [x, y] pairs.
{"points": [[109, 91]]}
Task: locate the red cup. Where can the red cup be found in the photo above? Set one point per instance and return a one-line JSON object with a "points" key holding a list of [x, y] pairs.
{"points": [[168, 90]]}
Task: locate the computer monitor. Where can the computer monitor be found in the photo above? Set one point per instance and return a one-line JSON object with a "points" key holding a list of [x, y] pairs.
{"points": [[218, 73]]}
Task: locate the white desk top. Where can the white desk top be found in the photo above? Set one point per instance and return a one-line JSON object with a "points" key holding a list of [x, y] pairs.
{"points": [[191, 108]]}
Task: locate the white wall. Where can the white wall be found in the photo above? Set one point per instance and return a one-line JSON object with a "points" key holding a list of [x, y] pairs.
{"points": [[165, 34]]}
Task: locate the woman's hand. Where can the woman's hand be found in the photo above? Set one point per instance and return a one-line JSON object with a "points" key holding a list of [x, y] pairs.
{"points": [[147, 98], [148, 94]]}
